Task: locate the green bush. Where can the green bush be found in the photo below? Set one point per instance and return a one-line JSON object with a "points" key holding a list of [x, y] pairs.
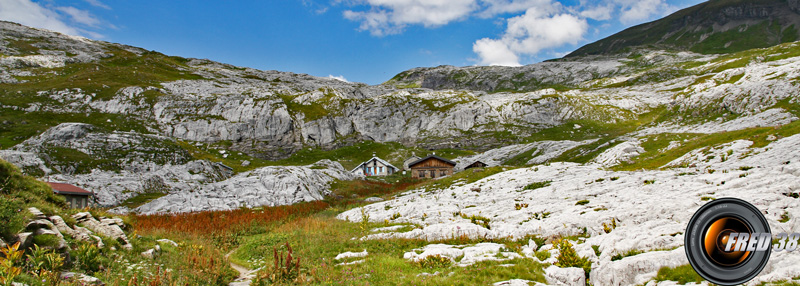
{"points": [[88, 258], [44, 262], [537, 185], [15, 185], [50, 241], [434, 261], [12, 216], [542, 255], [582, 202], [567, 257]]}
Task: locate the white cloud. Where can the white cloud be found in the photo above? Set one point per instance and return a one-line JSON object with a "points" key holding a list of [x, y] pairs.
{"points": [[640, 10], [495, 7], [599, 12], [80, 16], [33, 14], [629, 11], [339, 78], [530, 33], [98, 4], [495, 53], [387, 17]]}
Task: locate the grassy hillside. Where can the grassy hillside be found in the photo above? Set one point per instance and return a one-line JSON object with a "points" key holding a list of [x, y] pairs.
{"points": [[762, 23]]}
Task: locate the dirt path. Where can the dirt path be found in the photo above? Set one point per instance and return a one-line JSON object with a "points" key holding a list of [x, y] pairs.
{"points": [[245, 274]]}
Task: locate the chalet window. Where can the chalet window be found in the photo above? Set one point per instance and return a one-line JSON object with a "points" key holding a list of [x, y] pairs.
{"points": [[433, 173], [443, 173], [380, 170], [422, 174]]}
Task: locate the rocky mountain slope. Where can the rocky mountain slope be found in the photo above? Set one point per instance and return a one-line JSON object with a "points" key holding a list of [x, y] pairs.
{"points": [[130, 123], [616, 212]]}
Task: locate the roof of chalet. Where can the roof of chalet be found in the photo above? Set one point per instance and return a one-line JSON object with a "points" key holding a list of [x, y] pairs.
{"points": [[432, 156], [379, 160], [67, 189]]}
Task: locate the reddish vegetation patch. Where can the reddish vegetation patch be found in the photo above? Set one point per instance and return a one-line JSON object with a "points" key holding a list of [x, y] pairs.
{"points": [[220, 222]]}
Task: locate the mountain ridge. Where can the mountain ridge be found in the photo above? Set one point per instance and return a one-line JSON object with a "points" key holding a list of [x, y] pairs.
{"points": [[716, 26]]}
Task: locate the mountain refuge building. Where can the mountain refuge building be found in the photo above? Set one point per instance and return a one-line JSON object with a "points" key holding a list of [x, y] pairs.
{"points": [[476, 164], [431, 167], [410, 160], [76, 197], [375, 167]]}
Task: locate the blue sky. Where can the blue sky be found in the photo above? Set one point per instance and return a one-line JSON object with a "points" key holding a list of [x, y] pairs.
{"points": [[358, 40]]}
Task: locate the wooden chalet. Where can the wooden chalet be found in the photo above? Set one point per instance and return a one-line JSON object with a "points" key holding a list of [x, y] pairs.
{"points": [[431, 167], [476, 164], [410, 160], [375, 167]]}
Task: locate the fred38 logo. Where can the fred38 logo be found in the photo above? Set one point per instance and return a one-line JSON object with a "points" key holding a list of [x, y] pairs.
{"points": [[728, 241]]}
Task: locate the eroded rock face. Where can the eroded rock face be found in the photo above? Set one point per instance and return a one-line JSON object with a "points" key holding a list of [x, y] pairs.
{"points": [[110, 228], [571, 276], [636, 269], [71, 148], [267, 186], [619, 211]]}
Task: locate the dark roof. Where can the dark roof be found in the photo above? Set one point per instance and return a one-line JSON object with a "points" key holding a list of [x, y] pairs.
{"points": [[432, 156], [67, 189], [376, 159], [476, 162]]}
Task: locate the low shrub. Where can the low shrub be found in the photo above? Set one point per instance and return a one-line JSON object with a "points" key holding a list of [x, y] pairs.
{"points": [[434, 261], [567, 257]]}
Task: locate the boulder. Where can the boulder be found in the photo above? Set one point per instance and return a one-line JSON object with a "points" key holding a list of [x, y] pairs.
{"points": [[62, 226], [152, 253], [373, 199], [565, 276], [37, 214], [517, 282], [25, 239], [43, 226], [82, 234], [167, 241], [89, 280], [80, 217], [636, 269], [107, 227], [99, 240]]}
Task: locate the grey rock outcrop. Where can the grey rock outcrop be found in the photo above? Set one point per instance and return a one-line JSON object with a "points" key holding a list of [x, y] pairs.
{"points": [[636, 269], [267, 186], [110, 228], [62, 226], [25, 239], [116, 150], [571, 276], [37, 214]]}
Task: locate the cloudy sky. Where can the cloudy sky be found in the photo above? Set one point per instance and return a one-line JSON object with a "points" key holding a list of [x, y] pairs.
{"points": [[357, 40]]}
